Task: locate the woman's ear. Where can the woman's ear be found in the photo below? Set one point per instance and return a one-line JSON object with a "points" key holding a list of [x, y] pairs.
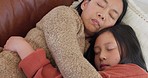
{"points": [[84, 4]]}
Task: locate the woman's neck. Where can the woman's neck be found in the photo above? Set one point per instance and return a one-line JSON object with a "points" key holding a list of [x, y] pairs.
{"points": [[87, 37], [87, 34]]}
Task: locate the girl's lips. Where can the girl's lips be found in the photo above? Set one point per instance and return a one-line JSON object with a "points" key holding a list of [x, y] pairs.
{"points": [[103, 66]]}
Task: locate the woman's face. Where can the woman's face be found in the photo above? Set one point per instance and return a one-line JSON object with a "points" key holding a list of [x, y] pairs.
{"points": [[106, 51], [99, 14]]}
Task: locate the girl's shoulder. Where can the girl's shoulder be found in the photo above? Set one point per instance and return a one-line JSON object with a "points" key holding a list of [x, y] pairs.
{"points": [[125, 71]]}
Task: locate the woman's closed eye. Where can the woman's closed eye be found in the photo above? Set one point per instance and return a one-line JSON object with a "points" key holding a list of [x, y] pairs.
{"points": [[113, 14], [99, 4], [102, 3]]}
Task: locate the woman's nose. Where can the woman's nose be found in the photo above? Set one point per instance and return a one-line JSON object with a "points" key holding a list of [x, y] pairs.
{"points": [[101, 16]]}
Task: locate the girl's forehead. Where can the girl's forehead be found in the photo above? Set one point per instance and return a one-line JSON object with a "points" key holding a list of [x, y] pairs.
{"points": [[105, 38]]}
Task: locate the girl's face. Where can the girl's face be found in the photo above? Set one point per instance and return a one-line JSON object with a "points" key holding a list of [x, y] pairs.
{"points": [[99, 14], [106, 51]]}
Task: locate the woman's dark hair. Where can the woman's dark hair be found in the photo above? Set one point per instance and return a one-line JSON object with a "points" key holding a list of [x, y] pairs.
{"points": [[125, 5], [128, 44]]}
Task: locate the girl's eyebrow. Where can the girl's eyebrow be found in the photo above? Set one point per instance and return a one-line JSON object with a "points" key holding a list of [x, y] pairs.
{"points": [[108, 43], [97, 47]]}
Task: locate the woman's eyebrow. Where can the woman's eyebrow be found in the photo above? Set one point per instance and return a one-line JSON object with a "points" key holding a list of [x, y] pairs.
{"points": [[113, 9], [105, 1]]}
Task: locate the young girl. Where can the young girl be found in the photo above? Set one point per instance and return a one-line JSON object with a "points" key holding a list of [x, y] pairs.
{"points": [[117, 47], [114, 52], [65, 32]]}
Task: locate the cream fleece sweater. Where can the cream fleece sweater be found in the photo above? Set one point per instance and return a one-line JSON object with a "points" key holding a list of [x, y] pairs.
{"points": [[63, 30]]}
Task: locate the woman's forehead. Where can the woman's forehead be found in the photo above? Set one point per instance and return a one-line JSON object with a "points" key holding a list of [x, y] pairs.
{"points": [[116, 5]]}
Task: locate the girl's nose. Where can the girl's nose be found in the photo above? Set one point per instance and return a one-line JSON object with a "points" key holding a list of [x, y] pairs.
{"points": [[102, 57]]}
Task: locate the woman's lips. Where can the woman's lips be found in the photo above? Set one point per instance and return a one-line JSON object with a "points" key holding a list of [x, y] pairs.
{"points": [[96, 22]]}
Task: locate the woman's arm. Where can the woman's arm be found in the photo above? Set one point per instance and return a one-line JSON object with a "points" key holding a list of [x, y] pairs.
{"points": [[61, 28]]}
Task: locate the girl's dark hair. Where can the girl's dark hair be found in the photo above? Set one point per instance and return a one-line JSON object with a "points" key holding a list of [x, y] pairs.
{"points": [[125, 5], [127, 42]]}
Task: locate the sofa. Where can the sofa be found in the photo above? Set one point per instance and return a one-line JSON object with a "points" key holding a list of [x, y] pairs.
{"points": [[17, 17]]}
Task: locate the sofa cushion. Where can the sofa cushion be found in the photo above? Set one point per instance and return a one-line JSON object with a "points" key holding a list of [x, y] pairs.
{"points": [[137, 18]]}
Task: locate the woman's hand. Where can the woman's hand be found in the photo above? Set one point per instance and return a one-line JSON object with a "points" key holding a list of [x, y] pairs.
{"points": [[19, 45]]}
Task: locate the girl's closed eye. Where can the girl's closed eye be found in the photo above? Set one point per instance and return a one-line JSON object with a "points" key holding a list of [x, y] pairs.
{"points": [[111, 47], [97, 51]]}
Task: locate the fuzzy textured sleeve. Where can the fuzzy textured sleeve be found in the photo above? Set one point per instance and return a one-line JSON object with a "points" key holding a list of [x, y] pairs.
{"points": [[62, 27]]}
